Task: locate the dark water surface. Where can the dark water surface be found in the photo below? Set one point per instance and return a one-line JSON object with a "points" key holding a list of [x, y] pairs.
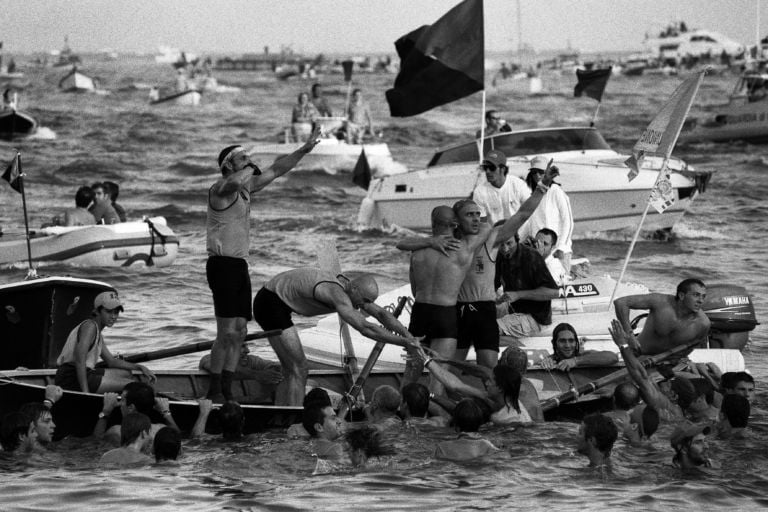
{"points": [[164, 160]]}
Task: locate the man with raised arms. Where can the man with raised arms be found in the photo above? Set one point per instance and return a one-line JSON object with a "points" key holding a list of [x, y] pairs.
{"points": [[672, 321], [441, 266], [228, 229], [313, 292]]}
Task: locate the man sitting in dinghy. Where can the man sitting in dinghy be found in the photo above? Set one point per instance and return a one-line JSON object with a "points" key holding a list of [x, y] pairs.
{"points": [[77, 362], [313, 292], [79, 215]]}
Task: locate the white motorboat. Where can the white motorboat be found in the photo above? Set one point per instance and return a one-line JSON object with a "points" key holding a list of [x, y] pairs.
{"points": [[74, 81], [592, 174], [331, 154], [189, 97], [149, 242], [744, 117]]}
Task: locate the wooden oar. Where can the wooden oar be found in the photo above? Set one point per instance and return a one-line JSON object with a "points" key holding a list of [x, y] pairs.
{"points": [[357, 387], [190, 349], [612, 378]]}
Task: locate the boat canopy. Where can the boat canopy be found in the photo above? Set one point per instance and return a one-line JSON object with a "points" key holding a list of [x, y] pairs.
{"points": [[523, 143]]}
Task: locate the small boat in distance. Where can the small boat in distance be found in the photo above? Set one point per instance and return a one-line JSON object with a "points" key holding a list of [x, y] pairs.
{"points": [[75, 81], [592, 174], [744, 117], [15, 124], [148, 242], [189, 97]]}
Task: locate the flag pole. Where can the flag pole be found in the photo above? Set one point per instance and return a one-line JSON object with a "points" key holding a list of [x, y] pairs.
{"points": [[31, 273], [482, 131], [594, 116]]}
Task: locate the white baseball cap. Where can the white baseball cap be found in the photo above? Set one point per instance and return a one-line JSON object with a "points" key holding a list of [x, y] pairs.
{"points": [[108, 300]]}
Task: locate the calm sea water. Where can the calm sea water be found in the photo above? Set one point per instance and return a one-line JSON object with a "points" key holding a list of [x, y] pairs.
{"points": [[164, 160]]}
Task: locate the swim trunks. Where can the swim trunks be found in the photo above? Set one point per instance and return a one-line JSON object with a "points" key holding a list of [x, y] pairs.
{"points": [[231, 286], [477, 326], [66, 377], [433, 321], [270, 312]]}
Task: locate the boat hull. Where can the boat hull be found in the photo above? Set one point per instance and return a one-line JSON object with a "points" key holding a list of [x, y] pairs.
{"points": [[332, 155], [15, 124], [186, 98], [114, 245], [77, 82], [747, 122]]}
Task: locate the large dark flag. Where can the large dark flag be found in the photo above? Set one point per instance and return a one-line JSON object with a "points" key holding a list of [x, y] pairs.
{"points": [[361, 175], [12, 174], [592, 83], [440, 63]]}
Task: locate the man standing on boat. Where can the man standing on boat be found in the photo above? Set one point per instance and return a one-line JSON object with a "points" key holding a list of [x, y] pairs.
{"points": [[228, 241], [672, 320], [501, 195], [313, 292]]}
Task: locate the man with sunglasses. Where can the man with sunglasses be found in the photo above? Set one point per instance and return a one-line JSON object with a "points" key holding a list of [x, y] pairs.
{"points": [[494, 124], [500, 195], [311, 291], [228, 239]]}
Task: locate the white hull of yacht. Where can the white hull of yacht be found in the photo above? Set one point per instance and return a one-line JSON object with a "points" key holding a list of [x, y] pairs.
{"points": [[602, 198], [748, 122]]}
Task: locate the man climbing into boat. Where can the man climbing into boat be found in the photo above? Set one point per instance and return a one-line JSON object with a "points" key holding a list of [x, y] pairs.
{"points": [[85, 345], [567, 353], [228, 241], [79, 215], [672, 320], [310, 291]]}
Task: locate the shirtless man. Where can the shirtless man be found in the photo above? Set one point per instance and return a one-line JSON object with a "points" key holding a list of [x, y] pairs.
{"points": [[439, 266], [672, 321], [313, 292], [79, 215]]}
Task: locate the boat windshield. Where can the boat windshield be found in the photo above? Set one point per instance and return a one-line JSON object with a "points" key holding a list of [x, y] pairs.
{"points": [[755, 86], [524, 143]]}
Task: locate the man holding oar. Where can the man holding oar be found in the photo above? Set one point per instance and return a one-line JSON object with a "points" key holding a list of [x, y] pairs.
{"points": [[228, 230], [313, 292]]}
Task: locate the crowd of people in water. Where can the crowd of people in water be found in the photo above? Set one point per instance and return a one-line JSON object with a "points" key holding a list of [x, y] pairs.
{"points": [[475, 282]]}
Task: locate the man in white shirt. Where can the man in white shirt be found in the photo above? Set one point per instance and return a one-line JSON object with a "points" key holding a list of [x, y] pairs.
{"points": [[546, 241], [501, 195]]}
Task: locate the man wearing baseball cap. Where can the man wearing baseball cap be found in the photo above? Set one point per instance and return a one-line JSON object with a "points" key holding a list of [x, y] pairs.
{"points": [[500, 195], [554, 213], [690, 444], [85, 345]]}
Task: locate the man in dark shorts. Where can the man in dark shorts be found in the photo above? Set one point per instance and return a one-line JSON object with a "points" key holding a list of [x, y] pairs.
{"points": [[312, 292], [228, 229]]}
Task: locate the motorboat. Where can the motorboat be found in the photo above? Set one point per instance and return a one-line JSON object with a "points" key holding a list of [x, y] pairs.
{"points": [[148, 242], [677, 42], [592, 174], [190, 97], [332, 154], [15, 124], [75, 81], [744, 117]]}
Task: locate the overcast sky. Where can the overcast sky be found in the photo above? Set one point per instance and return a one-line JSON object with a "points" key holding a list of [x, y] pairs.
{"points": [[353, 26]]}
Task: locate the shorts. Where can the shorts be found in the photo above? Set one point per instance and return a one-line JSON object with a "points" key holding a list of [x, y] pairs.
{"points": [[231, 286], [518, 325], [477, 326], [433, 321], [66, 377], [270, 311]]}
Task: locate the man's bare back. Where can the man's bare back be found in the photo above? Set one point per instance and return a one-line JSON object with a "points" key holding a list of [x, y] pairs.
{"points": [[672, 321], [436, 277]]}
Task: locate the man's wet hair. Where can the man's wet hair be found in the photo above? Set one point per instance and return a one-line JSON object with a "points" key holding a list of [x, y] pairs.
{"points": [[385, 398], [686, 392], [317, 396], [468, 416], [132, 426], [13, 426], [686, 284], [84, 196], [311, 416], [141, 395], [232, 420], [167, 444], [516, 358], [459, 205], [736, 409], [508, 380], [602, 429], [416, 398], [369, 440], [563, 326], [626, 396], [650, 421], [704, 387], [34, 410]]}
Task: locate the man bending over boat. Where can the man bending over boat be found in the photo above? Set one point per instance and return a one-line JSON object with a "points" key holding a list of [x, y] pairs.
{"points": [[79, 215], [672, 320], [313, 292], [77, 362], [228, 230]]}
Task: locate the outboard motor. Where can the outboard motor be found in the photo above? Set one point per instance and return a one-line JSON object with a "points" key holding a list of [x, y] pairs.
{"points": [[732, 315]]}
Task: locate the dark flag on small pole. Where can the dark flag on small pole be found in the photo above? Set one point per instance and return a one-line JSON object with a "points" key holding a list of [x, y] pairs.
{"points": [[15, 178], [361, 175], [440, 63], [592, 83]]}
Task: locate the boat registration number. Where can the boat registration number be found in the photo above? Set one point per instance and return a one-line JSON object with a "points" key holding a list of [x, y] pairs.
{"points": [[579, 290]]}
